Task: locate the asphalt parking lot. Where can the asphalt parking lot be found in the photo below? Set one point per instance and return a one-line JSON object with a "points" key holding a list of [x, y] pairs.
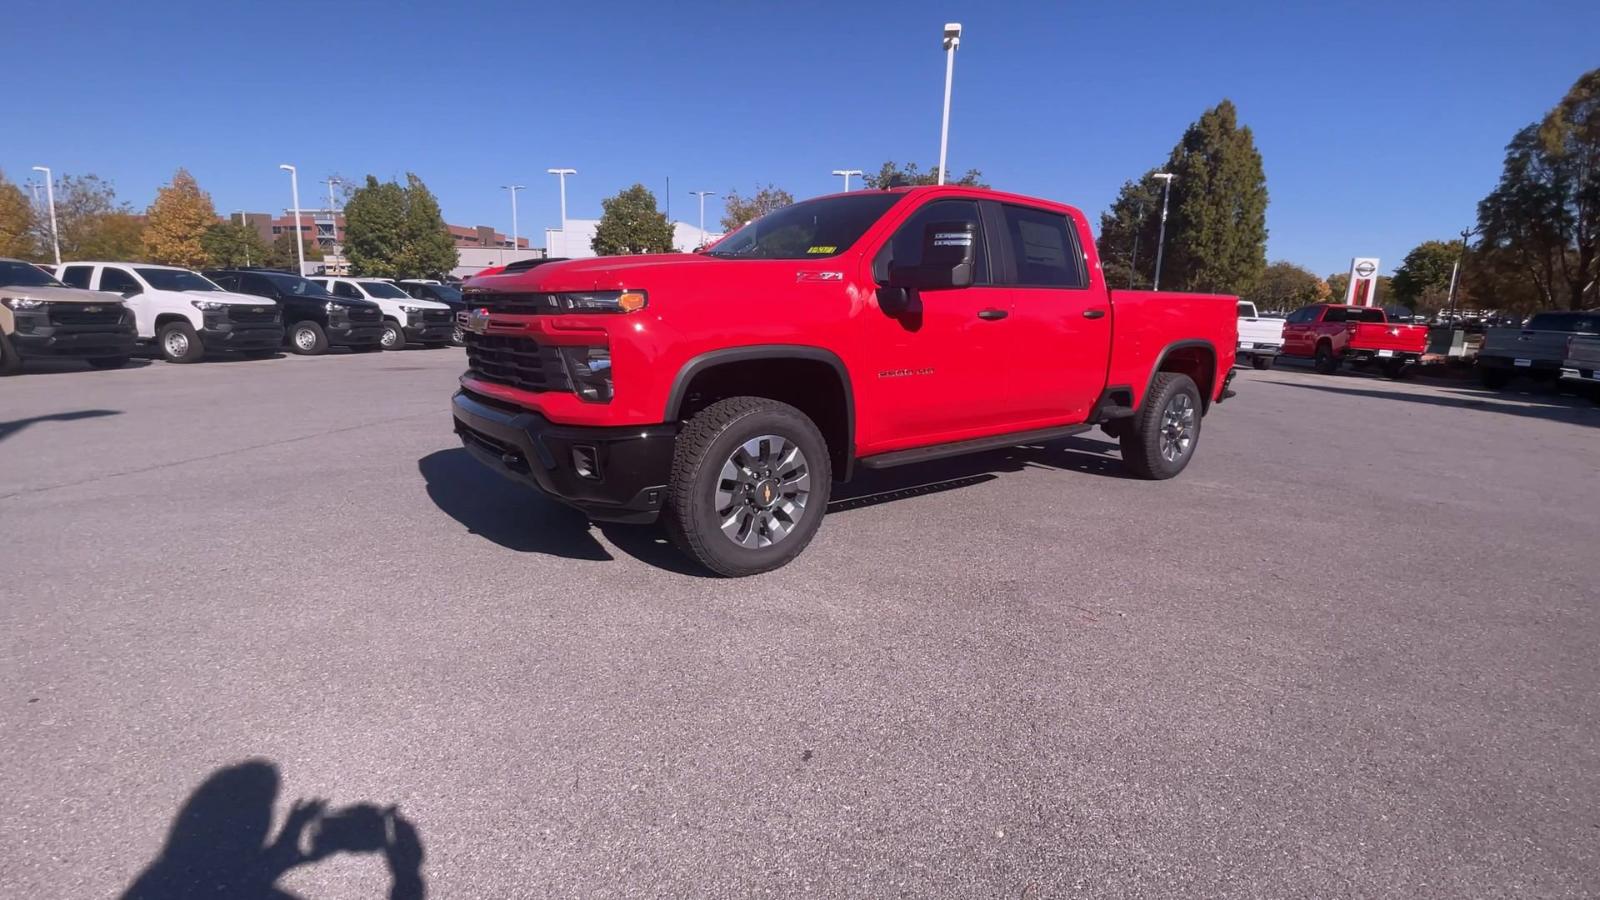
{"points": [[1351, 652]]}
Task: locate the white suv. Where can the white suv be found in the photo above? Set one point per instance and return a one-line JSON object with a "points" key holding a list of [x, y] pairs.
{"points": [[405, 318], [182, 312]]}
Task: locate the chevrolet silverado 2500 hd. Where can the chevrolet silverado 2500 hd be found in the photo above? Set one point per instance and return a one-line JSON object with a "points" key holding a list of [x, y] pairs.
{"points": [[725, 391], [1332, 333]]}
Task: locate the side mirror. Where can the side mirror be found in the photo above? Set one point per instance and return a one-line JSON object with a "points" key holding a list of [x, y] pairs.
{"points": [[131, 290], [948, 251]]}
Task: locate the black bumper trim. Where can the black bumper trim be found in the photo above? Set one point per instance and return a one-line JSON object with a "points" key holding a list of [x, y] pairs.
{"points": [[1509, 363], [634, 462], [430, 333], [355, 335], [229, 336], [86, 341]]}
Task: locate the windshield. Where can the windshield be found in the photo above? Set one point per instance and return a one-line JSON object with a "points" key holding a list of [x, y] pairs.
{"points": [[1575, 322], [383, 289], [447, 293], [20, 274], [300, 287], [176, 280], [809, 230]]}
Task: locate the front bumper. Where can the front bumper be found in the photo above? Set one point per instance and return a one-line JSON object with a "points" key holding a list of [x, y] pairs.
{"points": [[85, 341], [630, 465], [236, 336], [431, 332], [355, 335]]}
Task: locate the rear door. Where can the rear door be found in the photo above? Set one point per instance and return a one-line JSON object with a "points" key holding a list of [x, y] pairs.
{"points": [[1299, 331], [939, 368], [1059, 346]]}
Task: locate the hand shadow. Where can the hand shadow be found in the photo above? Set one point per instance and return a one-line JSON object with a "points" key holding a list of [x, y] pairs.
{"points": [[218, 847]]}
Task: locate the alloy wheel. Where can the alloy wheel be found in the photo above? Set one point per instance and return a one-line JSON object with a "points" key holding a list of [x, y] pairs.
{"points": [[1177, 427], [762, 491]]}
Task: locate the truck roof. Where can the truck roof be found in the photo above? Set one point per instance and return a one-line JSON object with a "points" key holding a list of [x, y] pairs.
{"points": [[124, 262]]}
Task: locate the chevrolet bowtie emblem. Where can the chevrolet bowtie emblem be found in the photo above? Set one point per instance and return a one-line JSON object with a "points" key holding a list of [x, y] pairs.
{"points": [[477, 321]]}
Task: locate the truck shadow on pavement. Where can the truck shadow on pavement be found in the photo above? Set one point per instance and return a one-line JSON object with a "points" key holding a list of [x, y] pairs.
{"points": [[7, 429], [518, 518], [1550, 407], [219, 847]]}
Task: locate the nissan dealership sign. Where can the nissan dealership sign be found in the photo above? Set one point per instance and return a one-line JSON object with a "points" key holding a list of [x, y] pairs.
{"points": [[1363, 289]]}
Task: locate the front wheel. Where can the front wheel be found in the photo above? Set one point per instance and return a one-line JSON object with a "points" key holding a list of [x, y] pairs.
{"points": [[179, 343], [308, 339], [1162, 436], [394, 338], [750, 483]]}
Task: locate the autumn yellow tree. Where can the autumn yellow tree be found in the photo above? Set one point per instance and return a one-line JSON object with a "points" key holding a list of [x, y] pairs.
{"points": [[16, 221], [177, 221]]}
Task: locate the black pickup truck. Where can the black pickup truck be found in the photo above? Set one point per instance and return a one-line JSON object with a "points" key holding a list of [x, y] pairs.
{"points": [[313, 319]]}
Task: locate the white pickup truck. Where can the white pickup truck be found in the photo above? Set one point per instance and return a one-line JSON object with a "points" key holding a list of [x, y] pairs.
{"points": [[184, 314], [1260, 337]]}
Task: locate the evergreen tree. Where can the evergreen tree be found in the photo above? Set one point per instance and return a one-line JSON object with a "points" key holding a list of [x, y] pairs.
{"points": [[630, 223], [911, 175], [1217, 229], [177, 221], [281, 254], [1128, 231]]}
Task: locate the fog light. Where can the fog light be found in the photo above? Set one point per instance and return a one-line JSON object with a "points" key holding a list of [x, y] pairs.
{"points": [[586, 462]]}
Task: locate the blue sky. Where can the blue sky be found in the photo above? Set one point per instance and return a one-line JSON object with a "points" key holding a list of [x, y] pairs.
{"points": [[1381, 124]]}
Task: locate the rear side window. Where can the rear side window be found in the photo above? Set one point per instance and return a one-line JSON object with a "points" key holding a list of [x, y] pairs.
{"points": [[117, 281], [1247, 310], [225, 279], [255, 284], [346, 289], [77, 276], [905, 248], [1044, 248]]}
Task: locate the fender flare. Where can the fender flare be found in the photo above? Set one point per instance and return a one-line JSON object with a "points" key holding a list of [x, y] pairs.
{"points": [[1206, 398]]}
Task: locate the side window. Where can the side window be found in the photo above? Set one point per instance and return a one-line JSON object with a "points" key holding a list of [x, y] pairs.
{"points": [[346, 289], [77, 276], [226, 280], [905, 248], [1334, 314], [255, 284], [118, 281], [1044, 248]]}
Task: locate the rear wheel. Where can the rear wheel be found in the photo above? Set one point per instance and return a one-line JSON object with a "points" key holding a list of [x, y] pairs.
{"points": [[394, 337], [1494, 379], [1262, 362], [179, 344], [750, 483], [109, 362], [1325, 361], [1162, 436], [1395, 369], [308, 339]]}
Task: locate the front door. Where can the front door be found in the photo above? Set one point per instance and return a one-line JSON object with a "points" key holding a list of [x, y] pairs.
{"points": [[939, 367]]}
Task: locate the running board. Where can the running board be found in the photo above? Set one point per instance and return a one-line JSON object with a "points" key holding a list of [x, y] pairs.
{"points": [[995, 442]]}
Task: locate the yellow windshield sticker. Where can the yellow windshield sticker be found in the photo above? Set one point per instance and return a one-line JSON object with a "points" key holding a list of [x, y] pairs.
{"points": [[824, 249]]}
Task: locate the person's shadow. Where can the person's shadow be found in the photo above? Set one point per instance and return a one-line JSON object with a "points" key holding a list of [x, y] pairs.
{"points": [[218, 846]]}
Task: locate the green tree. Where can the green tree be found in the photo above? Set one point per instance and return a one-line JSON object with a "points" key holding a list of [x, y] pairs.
{"points": [[1543, 218], [16, 222], [281, 254], [738, 210], [92, 222], [1422, 281], [375, 229], [426, 249], [1128, 232], [1286, 286], [910, 174], [176, 222], [630, 223], [233, 244], [1217, 230]]}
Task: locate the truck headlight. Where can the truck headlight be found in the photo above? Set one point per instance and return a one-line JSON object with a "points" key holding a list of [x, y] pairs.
{"points": [[209, 305], [603, 301], [23, 303], [410, 310], [590, 370]]}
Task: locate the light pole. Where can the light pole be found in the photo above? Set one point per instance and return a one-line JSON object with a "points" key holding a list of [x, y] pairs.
{"points": [[847, 173], [513, 188], [244, 223], [1133, 260], [50, 193], [703, 195], [952, 40], [562, 175], [333, 213], [1161, 236], [299, 244]]}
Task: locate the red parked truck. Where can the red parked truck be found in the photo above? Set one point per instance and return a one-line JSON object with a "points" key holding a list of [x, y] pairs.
{"points": [[726, 391], [1332, 333]]}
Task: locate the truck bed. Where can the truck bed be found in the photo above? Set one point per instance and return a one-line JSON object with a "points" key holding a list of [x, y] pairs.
{"points": [[1147, 324], [1394, 336]]}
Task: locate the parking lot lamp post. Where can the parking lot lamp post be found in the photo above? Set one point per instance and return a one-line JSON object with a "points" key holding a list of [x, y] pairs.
{"points": [[847, 173], [299, 242], [1455, 274], [562, 174], [513, 188], [952, 40], [1161, 235], [50, 194], [703, 195]]}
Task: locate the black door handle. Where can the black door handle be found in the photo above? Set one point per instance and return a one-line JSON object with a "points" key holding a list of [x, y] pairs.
{"points": [[1094, 313], [990, 315]]}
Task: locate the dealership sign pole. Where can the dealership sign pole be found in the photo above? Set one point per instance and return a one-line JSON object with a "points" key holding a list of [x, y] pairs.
{"points": [[1363, 289]]}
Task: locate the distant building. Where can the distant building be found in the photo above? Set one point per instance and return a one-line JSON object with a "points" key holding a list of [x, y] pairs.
{"points": [[472, 260], [576, 240], [327, 227]]}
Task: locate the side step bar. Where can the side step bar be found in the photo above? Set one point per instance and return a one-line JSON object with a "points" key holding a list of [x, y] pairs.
{"points": [[995, 442]]}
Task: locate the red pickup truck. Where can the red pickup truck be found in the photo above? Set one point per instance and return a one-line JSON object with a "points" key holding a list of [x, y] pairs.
{"points": [[727, 390], [1331, 333]]}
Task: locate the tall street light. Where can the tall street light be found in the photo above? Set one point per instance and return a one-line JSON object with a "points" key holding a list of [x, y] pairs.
{"points": [[299, 242], [50, 192], [952, 40], [513, 188], [847, 173], [562, 175], [333, 212], [1161, 236], [703, 195]]}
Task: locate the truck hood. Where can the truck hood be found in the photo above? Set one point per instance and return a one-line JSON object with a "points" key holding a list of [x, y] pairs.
{"points": [[612, 272], [59, 294]]}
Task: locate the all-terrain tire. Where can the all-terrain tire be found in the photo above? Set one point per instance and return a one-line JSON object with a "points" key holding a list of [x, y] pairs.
{"points": [[1144, 451], [707, 442]]}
